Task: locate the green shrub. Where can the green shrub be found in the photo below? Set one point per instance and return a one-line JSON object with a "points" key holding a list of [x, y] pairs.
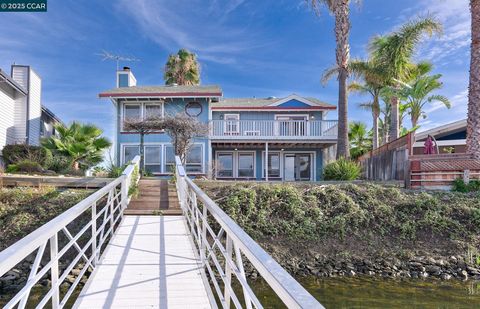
{"points": [[342, 169], [460, 186], [12, 168], [58, 163], [28, 166], [12, 154]]}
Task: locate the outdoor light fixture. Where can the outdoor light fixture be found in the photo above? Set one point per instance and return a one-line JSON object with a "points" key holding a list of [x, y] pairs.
{"points": [[312, 117]]}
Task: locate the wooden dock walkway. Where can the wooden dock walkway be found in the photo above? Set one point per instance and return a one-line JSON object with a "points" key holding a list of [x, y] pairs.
{"points": [[149, 263], [155, 196]]}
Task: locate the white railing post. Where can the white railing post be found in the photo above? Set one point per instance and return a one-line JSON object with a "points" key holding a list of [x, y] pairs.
{"points": [[54, 271], [94, 234], [203, 249], [228, 271], [124, 193]]}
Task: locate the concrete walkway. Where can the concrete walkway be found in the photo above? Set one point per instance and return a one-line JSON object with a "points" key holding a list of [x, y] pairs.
{"points": [[149, 263]]}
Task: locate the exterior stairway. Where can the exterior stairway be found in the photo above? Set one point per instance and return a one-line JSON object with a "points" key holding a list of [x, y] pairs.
{"points": [[155, 197]]}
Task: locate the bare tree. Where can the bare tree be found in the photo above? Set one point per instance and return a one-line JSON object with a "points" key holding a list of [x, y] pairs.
{"points": [[183, 129], [143, 127]]}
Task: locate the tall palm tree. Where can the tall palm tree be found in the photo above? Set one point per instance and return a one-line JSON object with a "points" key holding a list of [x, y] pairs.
{"points": [[341, 11], [418, 94], [395, 52], [360, 139], [374, 82], [80, 142], [473, 119], [182, 69]]}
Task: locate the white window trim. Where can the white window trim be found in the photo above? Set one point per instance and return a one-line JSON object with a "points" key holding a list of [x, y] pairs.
{"points": [[280, 154], [292, 115], [254, 163], [217, 153], [313, 168], [142, 110], [235, 163], [164, 159], [225, 131], [122, 154]]}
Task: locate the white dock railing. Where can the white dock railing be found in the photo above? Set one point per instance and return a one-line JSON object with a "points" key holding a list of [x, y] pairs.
{"points": [[273, 129], [96, 219], [221, 245]]}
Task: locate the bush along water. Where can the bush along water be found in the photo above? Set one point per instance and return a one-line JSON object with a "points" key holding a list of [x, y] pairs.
{"points": [[348, 229], [342, 169]]}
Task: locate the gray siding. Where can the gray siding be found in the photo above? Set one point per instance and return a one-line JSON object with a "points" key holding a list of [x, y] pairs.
{"points": [[35, 109]]}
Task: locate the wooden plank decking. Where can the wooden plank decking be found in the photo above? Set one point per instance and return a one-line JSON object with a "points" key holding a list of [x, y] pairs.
{"points": [[156, 196], [149, 263]]}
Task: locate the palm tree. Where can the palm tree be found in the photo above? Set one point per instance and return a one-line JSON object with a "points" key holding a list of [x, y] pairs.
{"points": [[341, 11], [473, 119], [417, 95], [80, 142], [394, 52], [360, 139], [374, 82], [182, 69]]}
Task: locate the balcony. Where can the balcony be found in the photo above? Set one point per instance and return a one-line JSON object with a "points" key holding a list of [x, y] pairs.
{"points": [[273, 129]]}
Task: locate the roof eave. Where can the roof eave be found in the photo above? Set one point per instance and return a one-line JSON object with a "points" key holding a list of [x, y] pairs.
{"points": [[162, 95], [316, 108]]}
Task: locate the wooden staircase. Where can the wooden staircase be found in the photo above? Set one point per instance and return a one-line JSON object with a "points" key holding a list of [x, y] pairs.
{"points": [[155, 197]]}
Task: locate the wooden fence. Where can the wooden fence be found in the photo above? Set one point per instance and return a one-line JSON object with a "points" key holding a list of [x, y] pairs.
{"points": [[389, 161]]}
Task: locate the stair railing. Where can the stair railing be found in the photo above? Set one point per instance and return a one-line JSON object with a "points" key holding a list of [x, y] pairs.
{"points": [[224, 248]]}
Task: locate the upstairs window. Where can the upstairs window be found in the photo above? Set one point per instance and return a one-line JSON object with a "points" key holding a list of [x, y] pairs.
{"points": [[131, 111], [152, 111], [193, 109]]}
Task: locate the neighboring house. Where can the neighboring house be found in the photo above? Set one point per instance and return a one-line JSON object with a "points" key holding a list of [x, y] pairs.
{"points": [[22, 117], [289, 135], [450, 137]]}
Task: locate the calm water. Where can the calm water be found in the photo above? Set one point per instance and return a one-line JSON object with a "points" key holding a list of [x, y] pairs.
{"points": [[368, 293], [378, 293]]}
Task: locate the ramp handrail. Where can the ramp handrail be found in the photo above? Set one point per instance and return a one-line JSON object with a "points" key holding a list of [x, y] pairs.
{"points": [[221, 244], [106, 207]]}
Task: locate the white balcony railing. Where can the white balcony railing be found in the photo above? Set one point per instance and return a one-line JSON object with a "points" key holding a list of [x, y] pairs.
{"points": [[273, 129]]}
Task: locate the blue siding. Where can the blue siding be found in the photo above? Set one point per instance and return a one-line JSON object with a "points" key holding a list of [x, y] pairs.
{"points": [[263, 115], [294, 104], [171, 107]]}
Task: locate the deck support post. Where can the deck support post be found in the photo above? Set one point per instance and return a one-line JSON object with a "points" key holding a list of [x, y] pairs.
{"points": [[266, 161]]}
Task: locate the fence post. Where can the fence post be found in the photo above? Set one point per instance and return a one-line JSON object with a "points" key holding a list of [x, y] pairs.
{"points": [[54, 271], [466, 176]]}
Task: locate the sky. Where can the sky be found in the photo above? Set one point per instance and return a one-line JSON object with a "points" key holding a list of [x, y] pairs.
{"points": [[248, 47]]}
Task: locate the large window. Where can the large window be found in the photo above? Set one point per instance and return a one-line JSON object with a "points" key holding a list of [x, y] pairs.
{"points": [[224, 164], [194, 159], [140, 111], [129, 152], [169, 159], [152, 158], [246, 165], [273, 165]]}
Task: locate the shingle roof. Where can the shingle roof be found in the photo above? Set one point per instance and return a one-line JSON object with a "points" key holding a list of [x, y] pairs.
{"points": [[12, 83], [167, 91], [263, 102]]}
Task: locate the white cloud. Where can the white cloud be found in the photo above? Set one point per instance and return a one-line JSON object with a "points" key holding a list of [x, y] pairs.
{"points": [[195, 25]]}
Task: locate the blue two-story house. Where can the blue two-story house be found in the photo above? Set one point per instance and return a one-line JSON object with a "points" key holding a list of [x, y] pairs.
{"points": [[285, 139]]}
